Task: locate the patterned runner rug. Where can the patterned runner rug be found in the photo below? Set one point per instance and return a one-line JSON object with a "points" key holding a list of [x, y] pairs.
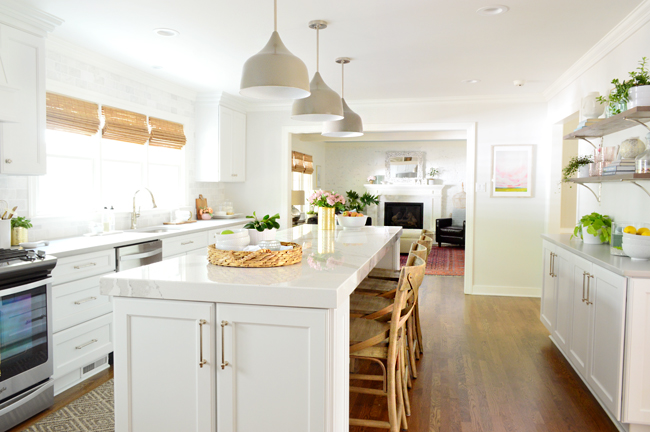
{"points": [[444, 261], [92, 412]]}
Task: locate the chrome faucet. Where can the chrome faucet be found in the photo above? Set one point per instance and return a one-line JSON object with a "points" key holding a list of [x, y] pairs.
{"points": [[135, 215]]}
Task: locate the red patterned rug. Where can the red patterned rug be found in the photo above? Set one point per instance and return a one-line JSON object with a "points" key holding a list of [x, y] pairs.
{"points": [[443, 261]]}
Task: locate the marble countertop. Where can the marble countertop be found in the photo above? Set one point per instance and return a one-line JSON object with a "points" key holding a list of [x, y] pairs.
{"points": [[62, 248], [333, 264], [599, 254]]}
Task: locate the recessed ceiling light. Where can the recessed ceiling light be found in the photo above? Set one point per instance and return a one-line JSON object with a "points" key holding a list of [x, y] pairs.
{"points": [[493, 10], [471, 81], [157, 67], [166, 32]]}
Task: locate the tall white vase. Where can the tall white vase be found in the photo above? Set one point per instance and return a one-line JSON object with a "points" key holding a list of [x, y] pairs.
{"points": [[590, 108]]}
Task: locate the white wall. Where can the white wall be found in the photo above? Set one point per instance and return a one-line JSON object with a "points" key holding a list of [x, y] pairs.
{"points": [[507, 255], [86, 75], [623, 202]]}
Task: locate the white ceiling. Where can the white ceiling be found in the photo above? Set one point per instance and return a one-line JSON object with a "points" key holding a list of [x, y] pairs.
{"points": [[400, 49]]}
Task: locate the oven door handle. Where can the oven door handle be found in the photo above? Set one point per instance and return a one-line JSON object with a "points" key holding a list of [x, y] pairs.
{"points": [[23, 288], [22, 399], [141, 255]]}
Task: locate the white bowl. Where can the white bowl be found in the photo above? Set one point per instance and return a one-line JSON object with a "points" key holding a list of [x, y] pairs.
{"points": [[351, 221], [239, 239], [635, 248], [237, 233]]}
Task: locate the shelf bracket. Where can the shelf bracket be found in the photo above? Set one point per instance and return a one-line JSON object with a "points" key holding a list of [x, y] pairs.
{"points": [[644, 189], [597, 196], [639, 122], [592, 144]]}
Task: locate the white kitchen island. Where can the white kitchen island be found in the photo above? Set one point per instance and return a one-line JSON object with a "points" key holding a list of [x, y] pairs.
{"points": [[205, 348]]}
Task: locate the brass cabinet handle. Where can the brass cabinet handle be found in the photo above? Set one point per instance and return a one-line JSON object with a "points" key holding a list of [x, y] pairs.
{"points": [[588, 286], [550, 267], [79, 267], [202, 361], [553, 263], [186, 243], [86, 344], [78, 302], [224, 363], [8, 161], [584, 274]]}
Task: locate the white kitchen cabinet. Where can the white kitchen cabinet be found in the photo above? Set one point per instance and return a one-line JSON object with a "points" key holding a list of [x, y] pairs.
{"points": [[549, 288], [564, 293], [606, 300], [274, 379], [165, 366], [22, 103], [180, 245], [220, 143], [580, 314]]}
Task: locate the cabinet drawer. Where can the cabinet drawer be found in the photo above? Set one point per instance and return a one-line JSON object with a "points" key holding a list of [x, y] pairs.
{"points": [[82, 344], [77, 302], [82, 266], [183, 244]]}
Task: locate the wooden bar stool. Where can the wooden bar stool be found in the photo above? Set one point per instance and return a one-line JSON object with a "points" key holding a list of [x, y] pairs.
{"points": [[383, 343]]}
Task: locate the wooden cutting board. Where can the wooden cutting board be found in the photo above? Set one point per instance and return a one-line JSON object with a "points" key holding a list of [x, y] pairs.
{"points": [[179, 223], [200, 202]]}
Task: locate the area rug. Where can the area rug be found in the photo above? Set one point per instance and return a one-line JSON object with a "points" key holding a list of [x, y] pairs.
{"points": [[92, 412], [443, 261]]}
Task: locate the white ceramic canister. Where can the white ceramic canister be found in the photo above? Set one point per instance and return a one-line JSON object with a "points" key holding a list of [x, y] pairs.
{"points": [[590, 108], [638, 96]]}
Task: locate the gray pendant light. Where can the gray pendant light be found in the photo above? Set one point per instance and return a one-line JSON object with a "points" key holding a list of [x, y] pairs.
{"points": [[351, 125], [274, 73], [324, 104]]}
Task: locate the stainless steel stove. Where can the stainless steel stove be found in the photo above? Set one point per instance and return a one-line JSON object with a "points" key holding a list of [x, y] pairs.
{"points": [[26, 366]]}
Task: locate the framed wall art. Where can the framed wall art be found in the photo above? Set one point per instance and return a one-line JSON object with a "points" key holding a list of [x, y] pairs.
{"points": [[512, 171]]}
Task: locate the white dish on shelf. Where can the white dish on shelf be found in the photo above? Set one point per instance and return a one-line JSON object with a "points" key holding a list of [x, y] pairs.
{"points": [[232, 216], [351, 222]]}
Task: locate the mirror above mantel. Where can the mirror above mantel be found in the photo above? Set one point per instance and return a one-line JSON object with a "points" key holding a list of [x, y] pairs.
{"points": [[405, 166]]}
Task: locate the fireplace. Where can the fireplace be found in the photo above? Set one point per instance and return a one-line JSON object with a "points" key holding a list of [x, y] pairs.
{"points": [[408, 215]]}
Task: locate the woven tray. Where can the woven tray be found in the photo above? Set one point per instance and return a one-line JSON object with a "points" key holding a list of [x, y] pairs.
{"points": [[258, 259]]}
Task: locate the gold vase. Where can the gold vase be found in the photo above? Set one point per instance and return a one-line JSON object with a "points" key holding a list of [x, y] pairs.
{"points": [[18, 236], [326, 218]]}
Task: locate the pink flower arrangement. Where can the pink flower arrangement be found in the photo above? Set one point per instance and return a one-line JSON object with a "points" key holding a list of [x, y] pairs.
{"points": [[322, 198], [371, 178]]}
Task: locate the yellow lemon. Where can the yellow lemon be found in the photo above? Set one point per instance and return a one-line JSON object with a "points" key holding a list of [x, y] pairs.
{"points": [[646, 233], [642, 231], [629, 230]]}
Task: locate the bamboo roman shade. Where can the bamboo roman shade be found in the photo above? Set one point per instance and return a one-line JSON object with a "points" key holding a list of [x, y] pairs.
{"points": [[71, 115], [126, 126], [166, 134], [302, 163]]}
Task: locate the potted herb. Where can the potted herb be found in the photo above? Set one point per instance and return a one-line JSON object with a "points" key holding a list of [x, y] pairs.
{"points": [[19, 227], [631, 93], [594, 228], [433, 172], [577, 164], [262, 229]]}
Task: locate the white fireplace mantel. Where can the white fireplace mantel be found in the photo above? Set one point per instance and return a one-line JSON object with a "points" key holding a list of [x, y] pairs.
{"points": [[405, 189]]}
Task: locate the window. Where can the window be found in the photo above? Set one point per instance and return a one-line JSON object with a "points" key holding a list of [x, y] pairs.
{"points": [[87, 173], [303, 181]]}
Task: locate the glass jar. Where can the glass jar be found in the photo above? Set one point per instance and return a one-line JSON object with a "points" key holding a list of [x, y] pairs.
{"points": [[616, 238], [642, 161], [228, 208]]}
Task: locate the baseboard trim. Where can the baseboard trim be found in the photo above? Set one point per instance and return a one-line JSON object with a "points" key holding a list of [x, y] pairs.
{"points": [[497, 290]]}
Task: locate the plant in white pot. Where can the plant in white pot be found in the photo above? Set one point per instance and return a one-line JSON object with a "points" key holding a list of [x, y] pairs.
{"points": [[594, 228], [577, 164], [262, 229], [639, 92]]}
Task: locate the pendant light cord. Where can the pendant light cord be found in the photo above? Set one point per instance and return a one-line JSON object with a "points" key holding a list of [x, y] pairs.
{"points": [[342, 78], [275, 15], [318, 49]]}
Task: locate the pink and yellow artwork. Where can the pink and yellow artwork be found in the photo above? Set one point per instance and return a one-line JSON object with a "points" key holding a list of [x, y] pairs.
{"points": [[512, 171]]}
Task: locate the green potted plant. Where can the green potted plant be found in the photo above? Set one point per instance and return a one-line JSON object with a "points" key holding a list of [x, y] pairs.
{"points": [[433, 172], [19, 227], [594, 228], [629, 93], [262, 229], [359, 203], [577, 164]]}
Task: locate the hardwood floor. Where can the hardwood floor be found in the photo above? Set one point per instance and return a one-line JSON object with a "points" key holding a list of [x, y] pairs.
{"points": [[488, 365], [68, 396]]}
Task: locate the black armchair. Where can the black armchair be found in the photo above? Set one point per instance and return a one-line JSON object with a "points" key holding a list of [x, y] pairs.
{"points": [[448, 233]]}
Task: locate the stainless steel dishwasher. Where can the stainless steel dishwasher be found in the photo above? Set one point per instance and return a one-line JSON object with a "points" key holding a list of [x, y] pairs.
{"points": [[138, 255]]}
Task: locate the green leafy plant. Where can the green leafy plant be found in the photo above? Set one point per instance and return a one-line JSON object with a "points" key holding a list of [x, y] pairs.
{"points": [[619, 96], [594, 222], [574, 164], [359, 203], [434, 172], [21, 222], [266, 223]]}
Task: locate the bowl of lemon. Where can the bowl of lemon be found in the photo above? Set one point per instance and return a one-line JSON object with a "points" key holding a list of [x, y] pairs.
{"points": [[636, 242]]}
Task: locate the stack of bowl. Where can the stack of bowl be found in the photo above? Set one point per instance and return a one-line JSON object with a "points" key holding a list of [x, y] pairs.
{"points": [[236, 241], [636, 247]]}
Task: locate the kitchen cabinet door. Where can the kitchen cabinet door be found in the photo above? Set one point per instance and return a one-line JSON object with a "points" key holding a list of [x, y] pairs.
{"points": [[549, 288], [606, 294], [272, 370], [579, 338], [164, 366], [564, 295], [22, 103], [238, 150]]}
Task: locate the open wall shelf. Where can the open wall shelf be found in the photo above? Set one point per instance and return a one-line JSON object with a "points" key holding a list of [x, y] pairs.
{"points": [[629, 178], [625, 120]]}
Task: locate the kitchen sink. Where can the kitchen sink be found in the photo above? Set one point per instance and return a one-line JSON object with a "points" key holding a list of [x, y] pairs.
{"points": [[157, 229]]}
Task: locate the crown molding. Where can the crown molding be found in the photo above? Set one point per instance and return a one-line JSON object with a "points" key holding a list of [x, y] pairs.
{"points": [[623, 30], [93, 58], [224, 99], [17, 14], [486, 99]]}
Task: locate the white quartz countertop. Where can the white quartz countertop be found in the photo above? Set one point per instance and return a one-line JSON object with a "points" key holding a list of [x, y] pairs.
{"points": [[333, 265], [599, 254], [62, 248]]}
